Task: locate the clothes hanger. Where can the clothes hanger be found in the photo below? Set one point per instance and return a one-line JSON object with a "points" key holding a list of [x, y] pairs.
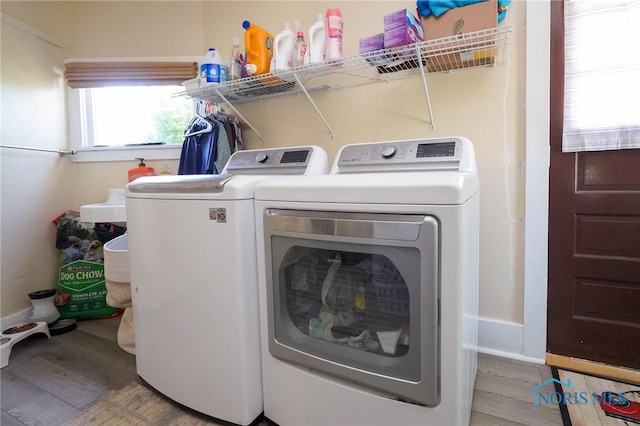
{"points": [[197, 115], [207, 129]]}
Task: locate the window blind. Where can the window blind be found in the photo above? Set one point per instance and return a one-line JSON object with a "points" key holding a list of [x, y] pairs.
{"points": [[82, 75], [602, 75]]}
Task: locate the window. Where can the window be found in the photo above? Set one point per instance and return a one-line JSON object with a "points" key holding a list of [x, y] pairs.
{"points": [[602, 71], [123, 110], [133, 115]]}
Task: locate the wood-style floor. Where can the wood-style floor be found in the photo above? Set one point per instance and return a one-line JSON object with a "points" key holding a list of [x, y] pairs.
{"points": [[48, 382]]}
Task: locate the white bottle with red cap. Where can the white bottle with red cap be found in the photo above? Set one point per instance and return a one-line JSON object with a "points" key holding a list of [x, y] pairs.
{"points": [[299, 48]]}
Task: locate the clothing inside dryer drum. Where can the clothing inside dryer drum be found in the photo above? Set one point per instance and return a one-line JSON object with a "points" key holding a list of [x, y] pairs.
{"points": [[355, 299]]}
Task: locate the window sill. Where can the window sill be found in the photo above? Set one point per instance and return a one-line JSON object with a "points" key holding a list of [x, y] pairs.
{"points": [[127, 153]]}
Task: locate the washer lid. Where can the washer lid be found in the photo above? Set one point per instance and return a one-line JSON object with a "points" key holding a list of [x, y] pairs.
{"points": [[194, 187], [195, 184]]}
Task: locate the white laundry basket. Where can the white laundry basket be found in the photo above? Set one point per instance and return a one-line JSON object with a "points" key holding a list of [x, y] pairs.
{"points": [[118, 282]]}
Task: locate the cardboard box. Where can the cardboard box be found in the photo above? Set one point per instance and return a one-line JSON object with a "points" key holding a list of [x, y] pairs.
{"points": [[460, 20], [465, 59], [457, 22]]}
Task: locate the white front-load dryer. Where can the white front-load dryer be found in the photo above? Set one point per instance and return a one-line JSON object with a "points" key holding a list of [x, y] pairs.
{"points": [[368, 284], [192, 252]]}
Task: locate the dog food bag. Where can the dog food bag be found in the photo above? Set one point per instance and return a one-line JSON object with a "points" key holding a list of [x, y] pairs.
{"points": [[81, 288]]}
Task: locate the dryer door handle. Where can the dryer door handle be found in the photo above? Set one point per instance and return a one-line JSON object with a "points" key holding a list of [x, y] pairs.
{"points": [[358, 225]]}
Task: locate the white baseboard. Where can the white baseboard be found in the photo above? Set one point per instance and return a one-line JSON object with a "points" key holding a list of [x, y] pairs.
{"points": [[504, 339], [499, 338], [511, 355], [17, 318]]}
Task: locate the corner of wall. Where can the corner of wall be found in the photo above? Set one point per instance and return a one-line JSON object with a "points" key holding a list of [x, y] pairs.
{"points": [[503, 339]]}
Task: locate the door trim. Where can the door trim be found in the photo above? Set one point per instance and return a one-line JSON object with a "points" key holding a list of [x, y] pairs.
{"points": [[536, 179]]}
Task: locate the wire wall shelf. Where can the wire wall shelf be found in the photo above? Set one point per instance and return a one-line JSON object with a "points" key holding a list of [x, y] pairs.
{"points": [[475, 49]]}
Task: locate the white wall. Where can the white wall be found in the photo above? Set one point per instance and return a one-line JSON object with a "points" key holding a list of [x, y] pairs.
{"points": [[36, 186], [483, 104]]}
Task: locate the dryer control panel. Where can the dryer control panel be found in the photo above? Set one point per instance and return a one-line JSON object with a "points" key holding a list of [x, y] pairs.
{"points": [[453, 153]]}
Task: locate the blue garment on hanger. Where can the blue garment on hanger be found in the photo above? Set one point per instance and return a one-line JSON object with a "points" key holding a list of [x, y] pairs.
{"points": [[199, 152], [438, 7]]}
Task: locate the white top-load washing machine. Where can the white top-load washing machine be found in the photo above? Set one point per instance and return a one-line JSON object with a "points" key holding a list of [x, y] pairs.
{"points": [[192, 252], [368, 281]]}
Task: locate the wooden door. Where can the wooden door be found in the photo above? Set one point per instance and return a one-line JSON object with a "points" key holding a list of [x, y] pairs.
{"points": [[594, 240]]}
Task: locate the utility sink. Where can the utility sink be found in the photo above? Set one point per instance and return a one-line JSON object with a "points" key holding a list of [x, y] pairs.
{"points": [[111, 211]]}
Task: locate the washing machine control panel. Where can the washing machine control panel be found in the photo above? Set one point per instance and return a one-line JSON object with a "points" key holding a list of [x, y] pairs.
{"points": [[293, 160], [269, 158], [442, 153]]}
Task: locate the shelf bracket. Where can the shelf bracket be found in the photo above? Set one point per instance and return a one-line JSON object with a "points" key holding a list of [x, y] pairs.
{"points": [[239, 114], [331, 134], [432, 126]]}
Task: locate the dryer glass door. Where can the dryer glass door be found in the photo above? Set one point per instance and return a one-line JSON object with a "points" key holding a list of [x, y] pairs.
{"points": [[356, 296]]}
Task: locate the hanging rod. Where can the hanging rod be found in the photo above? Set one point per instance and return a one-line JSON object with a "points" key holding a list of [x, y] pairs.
{"points": [[60, 152]]}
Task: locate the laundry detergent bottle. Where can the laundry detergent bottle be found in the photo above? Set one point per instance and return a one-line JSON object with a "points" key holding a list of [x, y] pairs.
{"points": [[258, 45], [282, 47], [316, 41]]}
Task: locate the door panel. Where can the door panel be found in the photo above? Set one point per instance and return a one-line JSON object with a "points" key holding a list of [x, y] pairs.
{"points": [[594, 241], [594, 259], [617, 170], [590, 294]]}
